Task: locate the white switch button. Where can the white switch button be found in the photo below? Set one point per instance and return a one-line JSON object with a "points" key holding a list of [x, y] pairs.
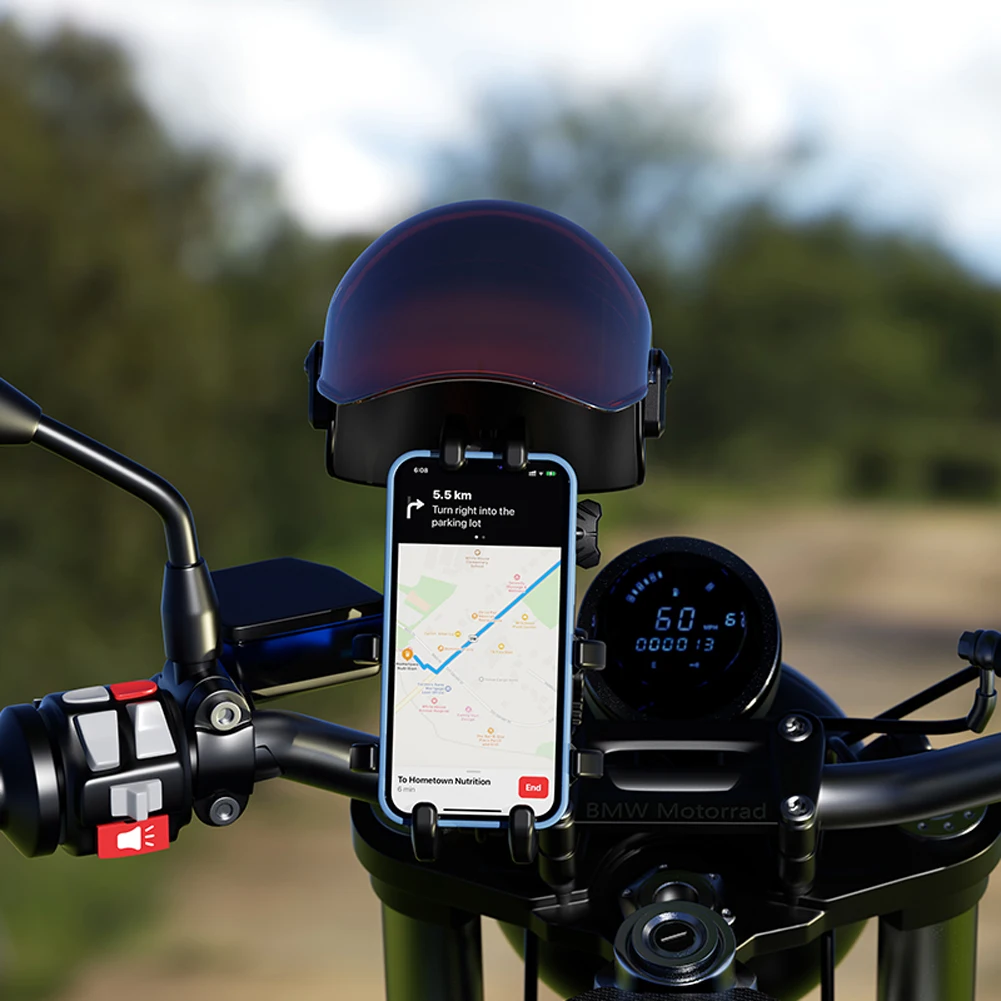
{"points": [[153, 739], [99, 736]]}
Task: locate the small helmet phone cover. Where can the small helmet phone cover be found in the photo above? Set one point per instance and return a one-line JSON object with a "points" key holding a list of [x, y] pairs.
{"points": [[493, 314]]}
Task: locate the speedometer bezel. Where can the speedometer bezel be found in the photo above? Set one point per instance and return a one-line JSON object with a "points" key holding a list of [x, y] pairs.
{"points": [[755, 695]]}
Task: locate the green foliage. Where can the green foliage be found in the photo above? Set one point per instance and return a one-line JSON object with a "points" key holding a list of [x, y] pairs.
{"points": [[127, 310], [874, 355], [813, 356]]}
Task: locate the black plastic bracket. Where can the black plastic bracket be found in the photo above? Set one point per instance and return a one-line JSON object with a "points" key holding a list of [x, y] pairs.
{"points": [[588, 516], [424, 835], [522, 838], [321, 410], [366, 649], [515, 455], [800, 748], [558, 853], [452, 447], [659, 375], [587, 763], [364, 758], [588, 655]]}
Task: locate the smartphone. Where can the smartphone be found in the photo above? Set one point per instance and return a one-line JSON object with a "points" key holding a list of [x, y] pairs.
{"points": [[477, 638]]}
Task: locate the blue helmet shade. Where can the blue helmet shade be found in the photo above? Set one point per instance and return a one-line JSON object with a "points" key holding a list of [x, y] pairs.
{"points": [[488, 290]]}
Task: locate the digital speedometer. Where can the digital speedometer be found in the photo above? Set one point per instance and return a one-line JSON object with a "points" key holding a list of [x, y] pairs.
{"points": [[690, 632]]}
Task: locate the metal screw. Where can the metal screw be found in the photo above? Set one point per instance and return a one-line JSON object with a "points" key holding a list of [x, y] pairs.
{"points": [[968, 814], [797, 808], [224, 811], [225, 716], [795, 728], [728, 916], [948, 825]]}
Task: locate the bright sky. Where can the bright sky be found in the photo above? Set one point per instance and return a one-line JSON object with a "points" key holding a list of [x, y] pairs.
{"points": [[345, 99]]}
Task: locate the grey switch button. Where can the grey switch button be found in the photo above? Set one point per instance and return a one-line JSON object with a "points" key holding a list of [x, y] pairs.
{"points": [[99, 737], [87, 696], [137, 799], [153, 738]]}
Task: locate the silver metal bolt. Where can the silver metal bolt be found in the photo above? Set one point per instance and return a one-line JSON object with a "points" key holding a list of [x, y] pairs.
{"points": [[224, 811], [795, 727], [727, 915], [968, 815], [225, 716], [797, 808]]}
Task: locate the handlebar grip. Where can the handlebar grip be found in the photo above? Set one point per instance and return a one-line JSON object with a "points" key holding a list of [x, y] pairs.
{"points": [[314, 752], [30, 797], [902, 790]]}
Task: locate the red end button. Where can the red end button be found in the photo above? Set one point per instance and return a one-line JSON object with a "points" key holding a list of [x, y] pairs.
{"points": [[533, 787], [131, 838], [125, 691]]}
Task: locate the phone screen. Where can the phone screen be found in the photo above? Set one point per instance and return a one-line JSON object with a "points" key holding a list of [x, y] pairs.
{"points": [[479, 584]]}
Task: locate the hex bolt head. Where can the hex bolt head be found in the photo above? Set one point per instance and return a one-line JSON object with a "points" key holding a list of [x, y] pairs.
{"points": [[798, 808], [795, 727], [225, 716], [224, 811], [727, 915]]}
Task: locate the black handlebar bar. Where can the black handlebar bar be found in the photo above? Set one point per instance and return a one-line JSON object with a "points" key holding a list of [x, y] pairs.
{"points": [[312, 751], [901, 790], [852, 795]]}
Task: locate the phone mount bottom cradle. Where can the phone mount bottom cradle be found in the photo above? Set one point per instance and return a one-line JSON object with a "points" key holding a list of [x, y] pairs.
{"points": [[522, 837]]}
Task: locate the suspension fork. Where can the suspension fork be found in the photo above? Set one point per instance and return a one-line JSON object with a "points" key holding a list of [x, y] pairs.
{"points": [[934, 962], [432, 960]]}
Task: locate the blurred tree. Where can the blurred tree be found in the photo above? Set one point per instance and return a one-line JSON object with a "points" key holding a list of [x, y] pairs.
{"points": [[642, 174], [809, 353], [159, 299]]}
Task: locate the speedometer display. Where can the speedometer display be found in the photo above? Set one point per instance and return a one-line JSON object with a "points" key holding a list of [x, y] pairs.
{"points": [[690, 632]]}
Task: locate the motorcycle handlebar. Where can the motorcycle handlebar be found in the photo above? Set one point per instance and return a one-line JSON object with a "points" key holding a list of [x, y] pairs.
{"points": [[313, 752], [902, 790], [852, 795]]}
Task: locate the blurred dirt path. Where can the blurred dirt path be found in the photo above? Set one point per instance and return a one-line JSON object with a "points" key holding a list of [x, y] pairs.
{"points": [[872, 602]]}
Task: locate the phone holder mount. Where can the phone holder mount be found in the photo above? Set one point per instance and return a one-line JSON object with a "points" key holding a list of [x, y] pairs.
{"points": [[514, 450]]}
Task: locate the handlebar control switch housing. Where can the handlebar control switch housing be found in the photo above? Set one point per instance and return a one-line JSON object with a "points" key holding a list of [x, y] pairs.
{"points": [[224, 751], [79, 761]]}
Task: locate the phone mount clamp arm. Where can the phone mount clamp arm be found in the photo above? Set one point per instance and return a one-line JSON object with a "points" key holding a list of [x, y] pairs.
{"points": [[452, 450], [189, 609]]}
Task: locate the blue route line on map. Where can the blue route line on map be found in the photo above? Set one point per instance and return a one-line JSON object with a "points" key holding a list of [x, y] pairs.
{"points": [[503, 611]]}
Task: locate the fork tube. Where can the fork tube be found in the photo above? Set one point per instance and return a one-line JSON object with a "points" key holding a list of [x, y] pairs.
{"points": [[935, 963], [426, 961]]}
